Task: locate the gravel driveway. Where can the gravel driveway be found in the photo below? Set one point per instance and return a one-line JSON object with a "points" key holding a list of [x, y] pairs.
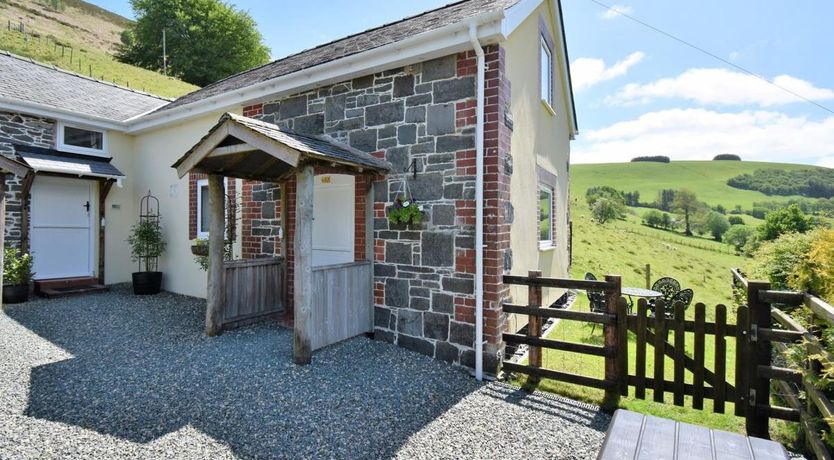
{"points": [[114, 375]]}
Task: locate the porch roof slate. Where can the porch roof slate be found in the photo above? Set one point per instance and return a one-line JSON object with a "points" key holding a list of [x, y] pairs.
{"points": [[29, 81], [347, 46], [54, 161]]}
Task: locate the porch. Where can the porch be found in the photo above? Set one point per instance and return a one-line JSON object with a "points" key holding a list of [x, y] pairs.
{"points": [[323, 278]]}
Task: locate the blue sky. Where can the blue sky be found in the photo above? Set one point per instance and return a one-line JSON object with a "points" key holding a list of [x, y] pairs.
{"points": [[638, 92]]}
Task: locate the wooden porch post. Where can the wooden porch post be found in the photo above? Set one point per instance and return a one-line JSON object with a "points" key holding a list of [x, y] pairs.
{"points": [[303, 272], [216, 295]]}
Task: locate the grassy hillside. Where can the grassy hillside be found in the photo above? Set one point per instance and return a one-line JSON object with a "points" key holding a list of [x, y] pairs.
{"points": [[708, 179], [80, 38]]}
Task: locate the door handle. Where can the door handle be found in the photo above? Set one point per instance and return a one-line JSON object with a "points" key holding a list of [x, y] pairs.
{"points": [[87, 205]]}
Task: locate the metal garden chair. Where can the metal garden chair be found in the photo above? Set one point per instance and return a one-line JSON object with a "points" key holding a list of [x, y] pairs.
{"points": [[667, 286], [596, 298]]}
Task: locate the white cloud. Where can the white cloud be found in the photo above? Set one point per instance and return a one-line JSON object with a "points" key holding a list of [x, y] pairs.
{"points": [[586, 72], [615, 11], [721, 87], [700, 134]]}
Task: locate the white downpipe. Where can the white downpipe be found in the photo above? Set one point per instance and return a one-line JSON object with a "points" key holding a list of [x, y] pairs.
{"points": [[479, 206]]}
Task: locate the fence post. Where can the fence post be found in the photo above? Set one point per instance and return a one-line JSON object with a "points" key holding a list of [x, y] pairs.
{"points": [[612, 368], [534, 323], [758, 353], [648, 276]]}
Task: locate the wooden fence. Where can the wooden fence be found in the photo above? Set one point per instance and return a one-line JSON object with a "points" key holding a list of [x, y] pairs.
{"points": [[254, 288], [342, 303], [666, 331]]}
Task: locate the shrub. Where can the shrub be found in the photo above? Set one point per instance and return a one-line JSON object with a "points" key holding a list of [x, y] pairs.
{"points": [[605, 209], [603, 191], [785, 220], [652, 159], [738, 236], [17, 269], [146, 244], [779, 260], [653, 218], [735, 220], [817, 273], [727, 157]]}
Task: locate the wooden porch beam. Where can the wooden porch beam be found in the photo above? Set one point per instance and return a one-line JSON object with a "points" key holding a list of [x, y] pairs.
{"points": [[303, 273], [266, 144], [25, 198], [202, 149], [103, 190], [215, 298], [231, 150]]}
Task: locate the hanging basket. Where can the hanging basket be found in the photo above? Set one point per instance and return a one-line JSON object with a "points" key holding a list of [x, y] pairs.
{"points": [[406, 212]]}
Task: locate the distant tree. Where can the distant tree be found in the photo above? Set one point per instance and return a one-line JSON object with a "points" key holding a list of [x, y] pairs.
{"points": [[606, 209], [738, 236], [719, 208], [686, 203], [735, 220], [652, 159], [716, 224], [603, 191], [632, 198], [786, 220], [207, 40], [727, 157], [665, 198]]}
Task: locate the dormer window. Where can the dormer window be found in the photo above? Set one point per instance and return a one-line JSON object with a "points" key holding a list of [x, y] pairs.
{"points": [[79, 139]]}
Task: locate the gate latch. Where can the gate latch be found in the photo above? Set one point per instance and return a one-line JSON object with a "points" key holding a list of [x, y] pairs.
{"points": [[752, 400], [754, 333]]}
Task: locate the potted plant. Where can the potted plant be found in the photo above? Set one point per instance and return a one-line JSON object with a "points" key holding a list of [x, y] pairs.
{"points": [[200, 247], [406, 212], [146, 245], [17, 273]]}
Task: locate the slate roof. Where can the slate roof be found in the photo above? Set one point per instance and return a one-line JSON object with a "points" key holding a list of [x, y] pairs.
{"points": [[29, 81], [41, 159], [315, 147], [353, 44]]}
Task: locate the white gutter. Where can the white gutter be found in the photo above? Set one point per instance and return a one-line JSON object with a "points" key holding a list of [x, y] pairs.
{"points": [[479, 205], [424, 46], [47, 111]]}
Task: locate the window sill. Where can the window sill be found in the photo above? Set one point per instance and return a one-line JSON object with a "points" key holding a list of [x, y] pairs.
{"points": [[545, 247], [548, 107]]}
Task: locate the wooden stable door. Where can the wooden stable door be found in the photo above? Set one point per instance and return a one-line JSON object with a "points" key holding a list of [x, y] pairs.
{"points": [[333, 219]]}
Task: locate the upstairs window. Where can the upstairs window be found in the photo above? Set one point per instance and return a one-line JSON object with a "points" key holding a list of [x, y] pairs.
{"points": [[78, 139], [546, 68], [545, 216]]}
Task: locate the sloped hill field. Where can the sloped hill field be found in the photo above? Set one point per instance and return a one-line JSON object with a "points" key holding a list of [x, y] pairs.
{"points": [[708, 179], [81, 38]]}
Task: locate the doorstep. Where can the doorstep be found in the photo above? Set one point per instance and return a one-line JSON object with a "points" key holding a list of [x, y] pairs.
{"points": [[62, 287]]}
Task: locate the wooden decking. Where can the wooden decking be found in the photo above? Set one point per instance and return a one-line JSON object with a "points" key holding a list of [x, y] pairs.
{"points": [[637, 436]]}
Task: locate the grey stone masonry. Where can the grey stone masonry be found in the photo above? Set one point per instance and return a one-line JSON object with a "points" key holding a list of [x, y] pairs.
{"points": [[17, 128], [419, 118]]}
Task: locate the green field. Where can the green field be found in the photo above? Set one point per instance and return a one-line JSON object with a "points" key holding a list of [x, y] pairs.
{"points": [[104, 66], [708, 179]]}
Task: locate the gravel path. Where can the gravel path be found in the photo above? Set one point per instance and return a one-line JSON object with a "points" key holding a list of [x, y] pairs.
{"points": [[114, 375]]}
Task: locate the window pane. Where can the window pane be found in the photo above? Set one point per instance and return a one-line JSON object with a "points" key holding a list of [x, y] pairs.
{"points": [[204, 209], [546, 72], [83, 138], [545, 212]]}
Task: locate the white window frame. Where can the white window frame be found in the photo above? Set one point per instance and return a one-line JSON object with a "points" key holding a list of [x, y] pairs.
{"points": [[546, 243], [545, 50], [200, 183], [104, 152]]}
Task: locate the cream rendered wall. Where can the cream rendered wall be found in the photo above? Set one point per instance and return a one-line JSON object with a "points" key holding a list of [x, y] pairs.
{"points": [[542, 139], [120, 212], [154, 153]]}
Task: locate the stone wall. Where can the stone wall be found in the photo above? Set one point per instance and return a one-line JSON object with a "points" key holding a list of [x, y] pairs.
{"points": [[422, 117], [20, 129]]}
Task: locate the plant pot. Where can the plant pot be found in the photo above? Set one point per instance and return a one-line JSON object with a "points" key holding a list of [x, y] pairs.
{"points": [[147, 283], [17, 293], [200, 249]]}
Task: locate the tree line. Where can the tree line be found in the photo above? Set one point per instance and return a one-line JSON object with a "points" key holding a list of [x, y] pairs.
{"points": [[810, 183]]}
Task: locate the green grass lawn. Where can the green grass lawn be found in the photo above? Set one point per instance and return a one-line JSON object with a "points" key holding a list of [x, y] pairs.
{"points": [[104, 67], [708, 179]]}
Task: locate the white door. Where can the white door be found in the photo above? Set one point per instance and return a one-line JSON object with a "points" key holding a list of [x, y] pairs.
{"points": [[61, 227], [333, 201]]}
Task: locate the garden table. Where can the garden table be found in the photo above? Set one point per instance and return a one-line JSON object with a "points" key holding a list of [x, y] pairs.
{"points": [[632, 292], [637, 436]]}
